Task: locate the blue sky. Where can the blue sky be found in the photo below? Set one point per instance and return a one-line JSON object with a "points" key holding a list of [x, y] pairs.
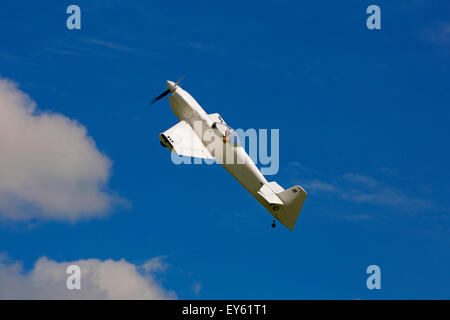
{"points": [[364, 127]]}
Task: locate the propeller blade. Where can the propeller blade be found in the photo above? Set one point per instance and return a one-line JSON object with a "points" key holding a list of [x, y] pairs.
{"points": [[178, 81], [162, 95]]}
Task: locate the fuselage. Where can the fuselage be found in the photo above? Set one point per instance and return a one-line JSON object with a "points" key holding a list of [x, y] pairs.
{"points": [[242, 168]]}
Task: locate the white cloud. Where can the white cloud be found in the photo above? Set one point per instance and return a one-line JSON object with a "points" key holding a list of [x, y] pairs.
{"points": [[204, 48], [316, 185], [107, 279], [358, 217], [360, 179], [197, 287], [49, 166], [112, 45], [358, 188], [439, 33], [155, 265], [364, 189], [387, 196]]}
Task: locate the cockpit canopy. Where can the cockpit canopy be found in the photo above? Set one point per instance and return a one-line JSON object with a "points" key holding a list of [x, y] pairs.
{"points": [[230, 136]]}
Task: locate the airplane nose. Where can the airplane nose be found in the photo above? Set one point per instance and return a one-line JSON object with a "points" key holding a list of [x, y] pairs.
{"points": [[171, 85]]}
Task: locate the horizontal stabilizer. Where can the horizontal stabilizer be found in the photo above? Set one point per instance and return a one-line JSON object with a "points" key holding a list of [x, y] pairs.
{"points": [[267, 193], [275, 187]]}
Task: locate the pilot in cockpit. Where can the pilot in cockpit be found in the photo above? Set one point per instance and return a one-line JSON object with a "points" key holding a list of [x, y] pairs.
{"points": [[228, 135]]}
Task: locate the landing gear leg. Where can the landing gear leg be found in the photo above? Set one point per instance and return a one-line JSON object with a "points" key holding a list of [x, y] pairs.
{"points": [[273, 224]]}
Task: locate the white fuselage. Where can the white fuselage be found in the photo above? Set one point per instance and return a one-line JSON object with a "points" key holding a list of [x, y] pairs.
{"points": [[243, 168]]}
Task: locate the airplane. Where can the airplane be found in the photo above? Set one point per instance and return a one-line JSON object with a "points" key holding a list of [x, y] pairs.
{"points": [[207, 136]]}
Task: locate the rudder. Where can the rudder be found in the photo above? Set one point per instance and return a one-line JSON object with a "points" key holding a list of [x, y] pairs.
{"points": [[293, 198]]}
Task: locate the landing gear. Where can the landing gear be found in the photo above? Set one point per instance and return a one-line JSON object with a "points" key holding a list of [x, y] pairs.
{"points": [[273, 224]]}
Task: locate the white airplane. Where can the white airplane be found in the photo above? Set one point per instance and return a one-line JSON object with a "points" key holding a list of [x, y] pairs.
{"points": [[207, 136]]}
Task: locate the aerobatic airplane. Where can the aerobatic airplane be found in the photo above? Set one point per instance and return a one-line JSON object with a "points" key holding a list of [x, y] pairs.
{"points": [[207, 136]]}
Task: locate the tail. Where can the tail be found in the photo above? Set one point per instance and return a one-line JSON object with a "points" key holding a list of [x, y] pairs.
{"points": [[293, 199]]}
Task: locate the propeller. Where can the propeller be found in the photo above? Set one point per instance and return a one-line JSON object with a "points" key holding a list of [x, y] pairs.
{"points": [[162, 95], [171, 87], [179, 80]]}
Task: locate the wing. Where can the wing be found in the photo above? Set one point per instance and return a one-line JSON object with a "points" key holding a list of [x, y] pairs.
{"points": [[184, 141]]}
